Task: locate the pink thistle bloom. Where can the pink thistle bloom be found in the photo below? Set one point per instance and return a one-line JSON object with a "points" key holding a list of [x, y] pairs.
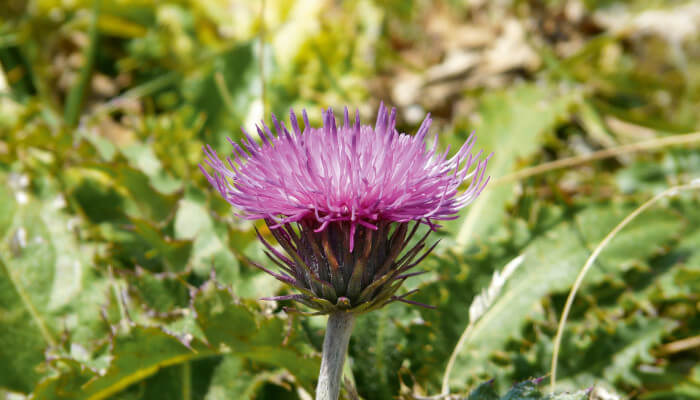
{"points": [[339, 200]]}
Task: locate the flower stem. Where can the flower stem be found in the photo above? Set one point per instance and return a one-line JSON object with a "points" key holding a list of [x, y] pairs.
{"points": [[335, 345]]}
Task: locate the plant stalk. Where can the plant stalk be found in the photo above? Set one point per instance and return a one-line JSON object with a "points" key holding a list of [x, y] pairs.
{"points": [[335, 346]]}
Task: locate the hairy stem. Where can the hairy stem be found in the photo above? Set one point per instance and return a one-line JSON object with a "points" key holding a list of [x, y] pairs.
{"points": [[335, 345]]}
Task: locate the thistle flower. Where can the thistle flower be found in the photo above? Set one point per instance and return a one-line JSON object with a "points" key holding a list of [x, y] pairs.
{"points": [[345, 203]]}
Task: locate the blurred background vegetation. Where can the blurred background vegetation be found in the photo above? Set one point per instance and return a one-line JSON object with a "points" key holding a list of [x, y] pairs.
{"points": [[110, 236]]}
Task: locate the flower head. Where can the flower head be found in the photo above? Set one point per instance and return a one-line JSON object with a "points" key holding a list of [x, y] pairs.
{"points": [[339, 199]]}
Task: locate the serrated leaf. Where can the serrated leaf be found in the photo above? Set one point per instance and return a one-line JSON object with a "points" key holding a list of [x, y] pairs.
{"points": [[233, 380], [232, 324], [638, 339], [611, 351], [222, 319], [527, 390], [551, 264], [161, 293], [141, 351], [377, 350], [135, 356], [173, 253], [485, 391]]}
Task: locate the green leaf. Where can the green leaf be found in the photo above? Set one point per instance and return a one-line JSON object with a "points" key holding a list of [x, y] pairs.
{"points": [[193, 222], [142, 158], [485, 391], [222, 318], [511, 126], [43, 271], [378, 347], [7, 209], [225, 325], [551, 264], [113, 193], [527, 390], [160, 293], [611, 350], [230, 323], [639, 339], [173, 253], [232, 379], [135, 356], [239, 69], [687, 390], [643, 238], [152, 202], [24, 335], [212, 248], [104, 147]]}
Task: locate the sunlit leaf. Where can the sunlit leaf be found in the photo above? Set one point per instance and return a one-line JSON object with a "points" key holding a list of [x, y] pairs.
{"points": [[511, 125], [551, 264]]}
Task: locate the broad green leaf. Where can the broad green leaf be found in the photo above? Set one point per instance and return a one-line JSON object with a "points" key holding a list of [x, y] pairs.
{"points": [[99, 197], [152, 202], [43, 271], [7, 209], [24, 335], [511, 125], [212, 248], [643, 238], [223, 319], [105, 148], [529, 390], [551, 264]]}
